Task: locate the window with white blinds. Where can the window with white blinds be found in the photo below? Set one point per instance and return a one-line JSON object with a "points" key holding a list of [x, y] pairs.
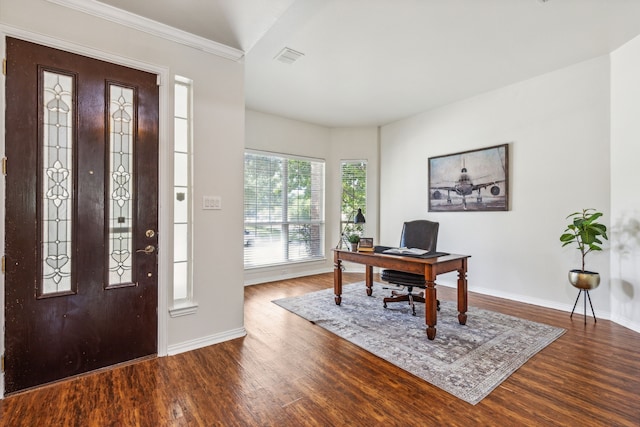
{"points": [[354, 194], [283, 209]]}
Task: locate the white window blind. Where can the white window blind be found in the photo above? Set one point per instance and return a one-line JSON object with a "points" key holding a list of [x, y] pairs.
{"points": [[354, 193], [283, 209]]}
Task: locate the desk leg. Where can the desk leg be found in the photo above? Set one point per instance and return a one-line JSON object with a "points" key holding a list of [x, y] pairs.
{"points": [[337, 279], [431, 313], [369, 279], [462, 293]]}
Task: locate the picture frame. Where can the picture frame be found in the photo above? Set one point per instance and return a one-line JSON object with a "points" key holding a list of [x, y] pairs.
{"points": [[366, 244], [474, 180]]}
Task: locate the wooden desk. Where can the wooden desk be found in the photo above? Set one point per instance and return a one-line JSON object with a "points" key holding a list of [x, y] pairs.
{"points": [[430, 267]]}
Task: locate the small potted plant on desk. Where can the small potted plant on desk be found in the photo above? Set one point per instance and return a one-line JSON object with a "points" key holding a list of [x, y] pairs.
{"points": [[585, 231], [353, 239]]}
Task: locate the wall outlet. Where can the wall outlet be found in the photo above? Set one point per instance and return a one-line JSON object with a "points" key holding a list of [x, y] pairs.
{"points": [[211, 202]]}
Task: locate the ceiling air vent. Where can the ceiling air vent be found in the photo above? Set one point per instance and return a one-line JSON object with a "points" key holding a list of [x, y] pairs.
{"points": [[288, 56]]}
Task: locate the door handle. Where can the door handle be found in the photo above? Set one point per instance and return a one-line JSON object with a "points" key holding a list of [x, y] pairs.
{"points": [[148, 250]]}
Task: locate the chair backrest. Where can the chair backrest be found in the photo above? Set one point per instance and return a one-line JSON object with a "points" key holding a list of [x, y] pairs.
{"points": [[420, 234]]}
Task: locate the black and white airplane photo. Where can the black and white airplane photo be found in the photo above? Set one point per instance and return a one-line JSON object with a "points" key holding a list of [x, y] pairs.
{"points": [[469, 181]]}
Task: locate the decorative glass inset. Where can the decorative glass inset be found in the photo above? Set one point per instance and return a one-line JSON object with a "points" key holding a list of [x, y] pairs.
{"points": [[120, 185], [57, 182]]}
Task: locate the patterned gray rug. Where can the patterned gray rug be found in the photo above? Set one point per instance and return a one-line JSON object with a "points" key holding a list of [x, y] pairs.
{"points": [[467, 361]]}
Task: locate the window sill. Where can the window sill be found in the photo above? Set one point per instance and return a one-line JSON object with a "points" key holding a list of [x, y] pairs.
{"points": [[183, 309]]}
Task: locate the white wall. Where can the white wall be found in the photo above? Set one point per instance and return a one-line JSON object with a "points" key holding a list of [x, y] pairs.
{"points": [[557, 126], [625, 175], [218, 108], [281, 135]]}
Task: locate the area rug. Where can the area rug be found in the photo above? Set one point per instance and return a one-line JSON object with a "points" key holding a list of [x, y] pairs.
{"points": [[468, 361]]}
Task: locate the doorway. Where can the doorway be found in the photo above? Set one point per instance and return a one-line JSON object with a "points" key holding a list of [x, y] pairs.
{"points": [[81, 214]]}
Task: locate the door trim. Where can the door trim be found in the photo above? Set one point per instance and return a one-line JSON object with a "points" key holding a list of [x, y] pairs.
{"points": [[164, 179]]}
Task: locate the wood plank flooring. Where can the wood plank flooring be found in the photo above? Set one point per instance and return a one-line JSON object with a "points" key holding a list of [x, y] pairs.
{"points": [[289, 372]]}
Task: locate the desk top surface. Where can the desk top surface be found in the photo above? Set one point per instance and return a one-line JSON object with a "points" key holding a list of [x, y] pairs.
{"points": [[363, 256]]}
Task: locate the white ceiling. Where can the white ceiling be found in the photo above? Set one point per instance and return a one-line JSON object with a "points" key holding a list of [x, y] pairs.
{"points": [[371, 62]]}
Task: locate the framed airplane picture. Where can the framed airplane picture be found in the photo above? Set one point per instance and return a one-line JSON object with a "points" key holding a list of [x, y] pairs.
{"points": [[475, 180]]}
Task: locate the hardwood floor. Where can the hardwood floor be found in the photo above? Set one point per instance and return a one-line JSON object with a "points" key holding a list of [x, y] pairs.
{"points": [[289, 372]]}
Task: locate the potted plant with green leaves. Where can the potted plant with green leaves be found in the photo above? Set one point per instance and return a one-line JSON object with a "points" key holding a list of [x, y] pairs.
{"points": [[353, 239], [587, 234]]}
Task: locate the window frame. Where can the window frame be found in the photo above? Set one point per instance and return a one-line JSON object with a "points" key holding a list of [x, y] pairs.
{"points": [[346, 218], [184, 305], [285, 222]]}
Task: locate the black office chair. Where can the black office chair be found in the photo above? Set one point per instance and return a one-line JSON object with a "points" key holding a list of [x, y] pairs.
{"points": [[420, 234]]}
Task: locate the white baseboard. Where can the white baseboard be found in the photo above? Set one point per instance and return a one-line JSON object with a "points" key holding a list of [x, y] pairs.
{"points": [[356, 268], [605, 315], [205, 341], [274, 276], [181, 347], [634, 326]]}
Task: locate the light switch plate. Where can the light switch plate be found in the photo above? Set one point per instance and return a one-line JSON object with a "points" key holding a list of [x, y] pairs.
{"points": [[212, 202]]}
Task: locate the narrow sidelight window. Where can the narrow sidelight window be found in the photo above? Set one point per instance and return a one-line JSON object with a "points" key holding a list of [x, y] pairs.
{"points": [[182, 209], [354, 194]]}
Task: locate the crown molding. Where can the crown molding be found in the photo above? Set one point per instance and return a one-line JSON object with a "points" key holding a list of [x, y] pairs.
{"points": [[149, 26]]}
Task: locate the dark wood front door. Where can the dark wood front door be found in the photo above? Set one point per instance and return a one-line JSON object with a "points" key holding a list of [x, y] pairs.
{"points": [[81, 214]]}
